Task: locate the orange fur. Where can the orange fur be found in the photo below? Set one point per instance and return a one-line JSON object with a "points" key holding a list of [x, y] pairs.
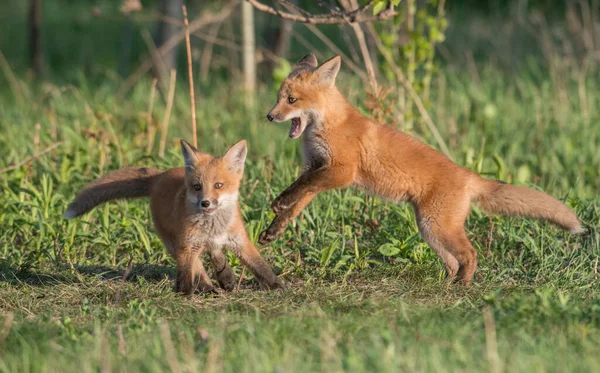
{"points": [[195, 210], [343, 148]]}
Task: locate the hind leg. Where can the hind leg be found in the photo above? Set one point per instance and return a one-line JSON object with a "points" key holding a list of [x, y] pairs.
{"points": [[442, 227], [435, 242]]}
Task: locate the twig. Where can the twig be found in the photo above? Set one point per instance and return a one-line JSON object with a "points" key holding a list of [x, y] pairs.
{"points": [[208, 49], [252, 188], [206, 19], [150, 130], [355, 16], [217, 41], [241, 277], [364, 50], [157, 60], [31, 158], [488, 252], [331, 45], [190, 74], [165, 123], [414, 95]]}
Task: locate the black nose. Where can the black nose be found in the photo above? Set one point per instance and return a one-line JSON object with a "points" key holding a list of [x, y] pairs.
{"points": [[270, 117], [205, 203]]}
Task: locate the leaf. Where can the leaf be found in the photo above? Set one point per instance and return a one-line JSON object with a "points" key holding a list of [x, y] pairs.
{"points": [[388, 249], [379, 7]]}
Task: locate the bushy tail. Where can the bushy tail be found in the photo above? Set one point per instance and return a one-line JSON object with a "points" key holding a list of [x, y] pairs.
{"points": [[506, 199], [119, 184]]}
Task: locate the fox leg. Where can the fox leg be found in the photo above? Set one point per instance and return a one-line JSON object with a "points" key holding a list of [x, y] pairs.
{"points": [[292, 200], [283, 218], [249, 255], [223, 271], [191, 274], [442, 227], [312, 181]]}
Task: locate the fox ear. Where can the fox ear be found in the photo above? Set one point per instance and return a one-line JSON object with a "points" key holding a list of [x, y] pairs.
{"points": [[190, 155], [327, 72], [236, 156], [309, 60]]}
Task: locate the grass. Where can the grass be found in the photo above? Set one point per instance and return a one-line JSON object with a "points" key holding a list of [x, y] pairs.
{"points": [[364, 292]]}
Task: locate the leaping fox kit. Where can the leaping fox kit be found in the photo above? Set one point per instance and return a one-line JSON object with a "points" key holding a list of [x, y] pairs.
{"points": [[343, 148], [195, 210]]}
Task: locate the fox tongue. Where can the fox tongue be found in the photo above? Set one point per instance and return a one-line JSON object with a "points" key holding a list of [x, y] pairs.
{"points": [[295, 129]]}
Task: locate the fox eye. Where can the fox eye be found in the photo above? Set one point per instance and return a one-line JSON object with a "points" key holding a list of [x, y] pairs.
{"points": [[218, 185], [197, 187], [291, 100]]}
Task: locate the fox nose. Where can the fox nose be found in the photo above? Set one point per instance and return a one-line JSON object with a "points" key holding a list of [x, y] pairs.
{"points": [[205, 203], [270, 117]]}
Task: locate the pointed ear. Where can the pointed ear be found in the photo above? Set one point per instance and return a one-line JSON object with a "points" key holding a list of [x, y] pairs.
{"points": [[236, 156], [309, 60], [327, 72], [190, 155]]}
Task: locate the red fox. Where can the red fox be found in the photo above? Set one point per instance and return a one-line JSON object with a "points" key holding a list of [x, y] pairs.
{"points": [[195, 209], [343, 148]]}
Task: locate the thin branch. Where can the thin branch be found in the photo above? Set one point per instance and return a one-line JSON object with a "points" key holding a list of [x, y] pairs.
{"points": [[414, 95], [360, 36], [355, 16], [31, 158], [206, 19], [167, 116], [190, 75]]}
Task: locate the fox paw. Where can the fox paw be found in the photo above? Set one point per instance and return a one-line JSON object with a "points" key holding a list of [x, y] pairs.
{"points": [[226, 278], [275, 284], [281, 204], [208, 290], [266, 237]]}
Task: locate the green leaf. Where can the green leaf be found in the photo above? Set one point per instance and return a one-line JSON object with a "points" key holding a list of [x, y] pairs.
{"points": [[379, 7], [388, 249]]}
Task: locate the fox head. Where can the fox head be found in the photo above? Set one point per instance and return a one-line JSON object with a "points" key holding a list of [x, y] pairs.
{"points": [[212, 183], [303, 94]]}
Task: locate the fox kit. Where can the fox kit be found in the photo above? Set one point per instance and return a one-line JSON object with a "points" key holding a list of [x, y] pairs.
{"points": [[343, 148], [195, 210]]}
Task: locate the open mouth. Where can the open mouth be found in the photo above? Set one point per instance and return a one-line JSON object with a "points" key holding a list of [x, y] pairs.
{"points": [[296, 129]]}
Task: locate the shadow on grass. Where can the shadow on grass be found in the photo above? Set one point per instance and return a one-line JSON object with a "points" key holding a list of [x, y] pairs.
{"points": [[16, 276]]}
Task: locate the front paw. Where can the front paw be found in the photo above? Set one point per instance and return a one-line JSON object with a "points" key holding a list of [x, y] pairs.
{"points": [[226, 278], [281, 204], [270, 234], [266, 237], [273, 284]]}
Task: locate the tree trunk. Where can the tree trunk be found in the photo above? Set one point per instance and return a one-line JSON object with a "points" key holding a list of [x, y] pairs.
{"points": [[36, 53], [170, 9], [249, 51]]}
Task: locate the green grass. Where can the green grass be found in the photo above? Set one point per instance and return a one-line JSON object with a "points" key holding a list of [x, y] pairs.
{"points": [[66, 305], [95, 293]]}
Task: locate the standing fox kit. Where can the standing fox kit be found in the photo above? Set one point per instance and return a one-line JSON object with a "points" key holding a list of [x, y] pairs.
{"points": [[343, 148], [195, 210]]}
